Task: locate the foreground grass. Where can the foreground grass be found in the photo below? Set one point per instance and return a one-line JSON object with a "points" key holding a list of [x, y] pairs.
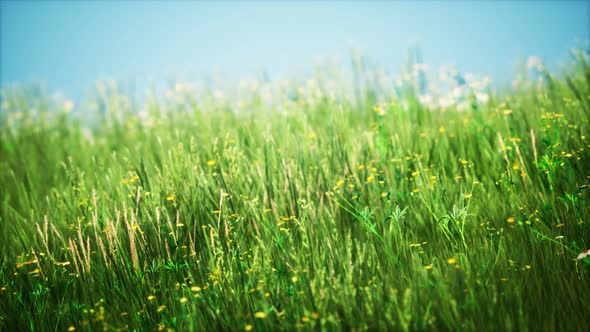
{"points": [[314, 212]]}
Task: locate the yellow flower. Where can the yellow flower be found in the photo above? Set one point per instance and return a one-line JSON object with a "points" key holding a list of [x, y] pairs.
{"points": [[452, 260], [370, 178], [170, 198], [467, 196], [71, 328], [183, 300], [211, 162], [260, 314], [196, 289], [428, 267], [151, 298], [314, 315], [248, 327], [510, 220]]}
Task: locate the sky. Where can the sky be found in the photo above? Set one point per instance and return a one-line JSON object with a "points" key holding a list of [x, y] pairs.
{"points": [[69, 45]]}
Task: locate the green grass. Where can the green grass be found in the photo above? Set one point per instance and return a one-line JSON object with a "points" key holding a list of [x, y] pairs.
{"points": [[312, 212]]}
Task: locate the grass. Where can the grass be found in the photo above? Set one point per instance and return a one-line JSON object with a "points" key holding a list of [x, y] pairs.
{"points": [[290, 207]]}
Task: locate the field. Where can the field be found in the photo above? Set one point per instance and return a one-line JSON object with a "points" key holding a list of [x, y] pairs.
{"points": [[336, 202]]}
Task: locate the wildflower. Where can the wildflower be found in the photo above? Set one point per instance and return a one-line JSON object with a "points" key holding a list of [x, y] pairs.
{"points": [[68, 106], [183, 300], [583, 254], [369, 179], [211, 162], [452, 260], [534, 62], [161, 308], [170, 198], [61, 263], [151, 297], [248, 327], [379, 110], [260, 315], [467, 196], [482, 97], [510, 220], [196, 289], [428, 267], [314, 315], [71, 328]]}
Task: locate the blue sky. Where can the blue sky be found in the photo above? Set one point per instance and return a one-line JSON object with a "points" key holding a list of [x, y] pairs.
{"points": [[69, 45]]}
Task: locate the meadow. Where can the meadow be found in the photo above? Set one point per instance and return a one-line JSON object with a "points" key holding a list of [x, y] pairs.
{"points": [[334, 202]]}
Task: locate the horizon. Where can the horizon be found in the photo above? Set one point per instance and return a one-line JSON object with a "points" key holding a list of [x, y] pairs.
{"points": [[69, 47]]}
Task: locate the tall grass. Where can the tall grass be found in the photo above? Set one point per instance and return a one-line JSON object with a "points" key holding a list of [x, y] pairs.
{"points": [[293, 207]]}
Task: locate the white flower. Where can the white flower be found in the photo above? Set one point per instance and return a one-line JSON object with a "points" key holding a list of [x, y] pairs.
{"points": [[68, 106], [463, 106], [534, 62], [426, 100], [445, 102], [583, 254], [482, 97], [458, 92]]}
